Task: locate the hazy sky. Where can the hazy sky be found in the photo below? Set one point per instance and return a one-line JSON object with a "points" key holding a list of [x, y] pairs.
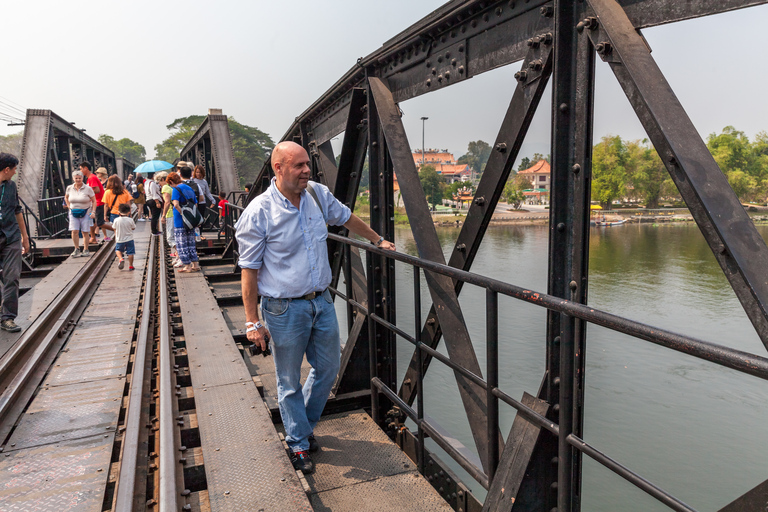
{"points": [[128, 69]]}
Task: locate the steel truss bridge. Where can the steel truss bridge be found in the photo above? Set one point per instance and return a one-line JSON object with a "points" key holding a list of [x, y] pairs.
{"points": [[537, 466]]}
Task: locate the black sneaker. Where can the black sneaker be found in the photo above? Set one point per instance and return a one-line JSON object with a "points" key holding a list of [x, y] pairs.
{"points": [[9, 325], [302, 461], [313, 446]]}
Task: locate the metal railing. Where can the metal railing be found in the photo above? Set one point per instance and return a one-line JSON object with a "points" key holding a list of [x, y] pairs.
{"points": [[231, 216], [52, 217], [735, 359]]}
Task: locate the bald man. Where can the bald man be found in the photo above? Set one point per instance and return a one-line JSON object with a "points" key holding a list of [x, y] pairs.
{"points": [[284, 258]]}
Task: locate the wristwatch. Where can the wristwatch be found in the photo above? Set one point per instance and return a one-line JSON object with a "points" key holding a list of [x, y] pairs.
{"points": [[250, 326], [379, 241]]}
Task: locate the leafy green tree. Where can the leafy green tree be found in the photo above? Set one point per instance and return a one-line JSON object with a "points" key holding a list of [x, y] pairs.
{"points": [[125, 148], [512, 195], [433, 184], [744, 164], [525, 163], [478, 153], [609, 170], [250, 145], [646, 173], [12, 143]]}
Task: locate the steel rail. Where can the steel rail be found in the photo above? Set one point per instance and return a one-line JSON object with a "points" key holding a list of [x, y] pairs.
{"points": [[19, 365], [744, 362], [168, 493], [126, 483]]}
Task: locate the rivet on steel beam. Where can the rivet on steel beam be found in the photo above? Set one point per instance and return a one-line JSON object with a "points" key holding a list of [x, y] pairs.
{"points": [[511, 5], [461, 247], [573, 285], [429, 82], [521, 76], [561, 227], [557, 340], [576, 168], [479, 201], [439, 59], [453, 62], [501, 147], [547, 38], [563, 108], [431, 321], [447, 75], [461, 70], [499, 10], [547, 11], [604, 48], [556, 381], [556, 407], [553, 485], [186, 492], [440, 77], [447, 55], [590, 23], [461, 48], [535, 64]]}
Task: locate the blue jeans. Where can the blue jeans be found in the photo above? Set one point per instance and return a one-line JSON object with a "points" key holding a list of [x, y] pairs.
{"points": [[298, 327]]}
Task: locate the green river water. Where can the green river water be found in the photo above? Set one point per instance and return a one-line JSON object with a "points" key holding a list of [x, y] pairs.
{"points": [[698, 430]]}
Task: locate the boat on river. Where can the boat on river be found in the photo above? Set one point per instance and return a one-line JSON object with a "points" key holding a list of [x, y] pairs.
{"points": [[606, 223]]}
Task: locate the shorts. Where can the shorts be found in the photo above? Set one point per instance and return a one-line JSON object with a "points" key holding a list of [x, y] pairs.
{"points": [[100, 215], [128, 248], [113, 216], [82, 224]]}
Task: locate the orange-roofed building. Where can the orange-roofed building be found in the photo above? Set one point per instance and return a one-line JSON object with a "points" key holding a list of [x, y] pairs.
{"points": [[433, 157], [539, 174]]}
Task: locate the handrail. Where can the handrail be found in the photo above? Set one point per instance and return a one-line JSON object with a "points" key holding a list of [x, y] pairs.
{"points": [[735, 359], [725, 356]]}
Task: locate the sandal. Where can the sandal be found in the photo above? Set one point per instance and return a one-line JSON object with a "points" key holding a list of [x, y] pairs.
{"points": [[185, 270]]}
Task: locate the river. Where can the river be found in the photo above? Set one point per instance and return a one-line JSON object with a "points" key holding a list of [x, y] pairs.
{"points": [[696, 429]]}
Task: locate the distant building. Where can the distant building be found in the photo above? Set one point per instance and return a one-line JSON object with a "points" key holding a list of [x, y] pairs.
{"points": [[540, 176], [445, 165]]}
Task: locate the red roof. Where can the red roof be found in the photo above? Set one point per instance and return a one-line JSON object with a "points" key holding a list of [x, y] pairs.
{"points": [[540, 167]]}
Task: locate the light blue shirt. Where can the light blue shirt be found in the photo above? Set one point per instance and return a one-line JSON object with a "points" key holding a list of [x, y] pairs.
{"points": [[288, 246]]}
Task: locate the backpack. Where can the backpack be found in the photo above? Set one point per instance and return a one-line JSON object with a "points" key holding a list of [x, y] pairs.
{"points": [[190, 215], [134, 191]]}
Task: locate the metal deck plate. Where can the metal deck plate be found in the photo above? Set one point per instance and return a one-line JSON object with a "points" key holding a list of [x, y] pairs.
{"points": [[230, 289], [60, 413], [406, 492], [87, 364], [34, 302], [354, 449], [245, 463], [71, 475], [214, 358]]}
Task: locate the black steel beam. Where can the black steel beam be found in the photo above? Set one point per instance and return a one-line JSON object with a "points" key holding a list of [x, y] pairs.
{"points": [[495, 34], [730, 233], [755, 500], [510, 138], [458, 341]]}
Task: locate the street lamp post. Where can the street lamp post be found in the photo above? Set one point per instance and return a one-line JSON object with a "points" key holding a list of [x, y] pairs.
{"points": [[423, 119]]}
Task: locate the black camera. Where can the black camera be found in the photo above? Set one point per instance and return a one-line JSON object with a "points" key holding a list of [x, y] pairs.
{"points": [[256, 350]]}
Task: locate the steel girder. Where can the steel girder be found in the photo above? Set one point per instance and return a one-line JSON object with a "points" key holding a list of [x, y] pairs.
{"points": [[124, 168], [461, 40], [211, 147], [52, 148]]}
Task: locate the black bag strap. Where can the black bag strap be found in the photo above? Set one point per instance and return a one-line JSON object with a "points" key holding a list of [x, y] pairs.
{"points": [[113, 202], [317, 201]]}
